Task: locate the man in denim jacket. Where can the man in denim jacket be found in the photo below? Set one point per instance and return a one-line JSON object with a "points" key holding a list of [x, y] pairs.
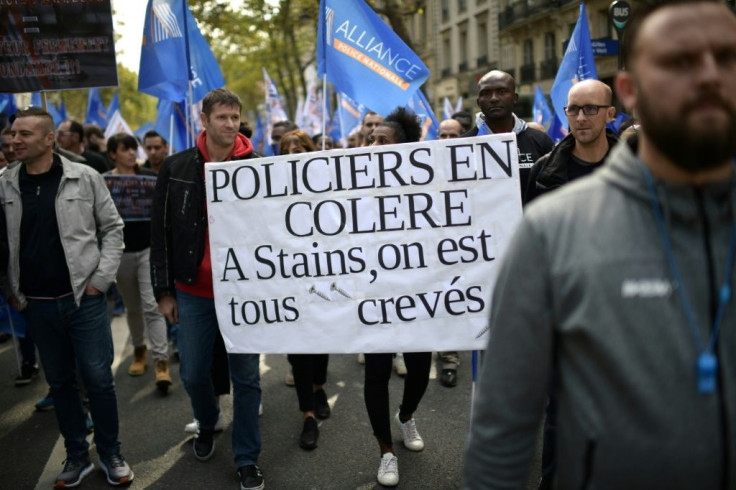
{"points": [[65, 241]]}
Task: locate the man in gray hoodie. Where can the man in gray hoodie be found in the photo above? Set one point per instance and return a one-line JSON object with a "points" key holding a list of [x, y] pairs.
{"points": [[621, 283]]}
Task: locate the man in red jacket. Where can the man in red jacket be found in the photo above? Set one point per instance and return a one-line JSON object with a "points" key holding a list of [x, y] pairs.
{"points": [[181, 275]]}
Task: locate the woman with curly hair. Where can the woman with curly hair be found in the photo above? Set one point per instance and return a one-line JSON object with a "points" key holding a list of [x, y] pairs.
{"points": [[401, 126]]}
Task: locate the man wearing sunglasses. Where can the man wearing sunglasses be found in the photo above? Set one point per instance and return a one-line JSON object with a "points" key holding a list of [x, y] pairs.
{"points": [[586, 145]]}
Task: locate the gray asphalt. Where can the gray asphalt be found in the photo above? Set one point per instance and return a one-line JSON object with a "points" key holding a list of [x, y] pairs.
{"points": [[154, 443]]}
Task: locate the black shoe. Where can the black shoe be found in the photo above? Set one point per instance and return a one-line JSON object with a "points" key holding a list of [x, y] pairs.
{"points": [[27, 373], [321, 407], [251, 477], [310, 434], [448, 377], [204, 444]]}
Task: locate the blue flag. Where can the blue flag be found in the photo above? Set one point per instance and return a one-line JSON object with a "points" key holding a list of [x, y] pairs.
{"points": [[206, 74], [275, 111], [430, 126], [257, 136], [556, 131], [96, 111], [114, 106], [175, 112], [364, 58], [334, 131], [55, 114], [36, 100], [615, 125], [62, 110], [141, 132], [577, 64], [350, 113], [7, 104], [540, 112], [174, 51]]}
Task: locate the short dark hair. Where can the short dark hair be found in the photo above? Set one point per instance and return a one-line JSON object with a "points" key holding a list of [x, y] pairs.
{"points": [[639, 13], [154, 134], [220, 96], [368, 113], [245, 129], [405, 125], [76, 128], [7, 130], [125, 139], [286, 124], [93, 130], [38, 112]]}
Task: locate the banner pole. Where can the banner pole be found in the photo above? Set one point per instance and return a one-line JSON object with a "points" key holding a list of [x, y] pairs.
{"points": [[171, 133], [324, 108]]}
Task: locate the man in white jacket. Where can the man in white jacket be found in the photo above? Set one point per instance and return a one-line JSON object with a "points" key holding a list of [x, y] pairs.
{"points": [[65, 240]]}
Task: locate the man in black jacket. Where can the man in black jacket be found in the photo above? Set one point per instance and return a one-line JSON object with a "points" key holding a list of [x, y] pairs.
{"points": [[585, 147], [496, 98], [181, 275]]}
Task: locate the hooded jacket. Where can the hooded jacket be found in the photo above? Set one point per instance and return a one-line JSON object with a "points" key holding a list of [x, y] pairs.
{"points": [[179, 232], [586, 291], [551, 171]]}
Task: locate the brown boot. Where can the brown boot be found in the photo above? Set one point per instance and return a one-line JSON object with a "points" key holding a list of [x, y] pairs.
{"points": [[138, 366], [163, 377]]}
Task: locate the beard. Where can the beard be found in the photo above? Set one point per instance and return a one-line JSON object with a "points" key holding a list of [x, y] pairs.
{"points": [[692, 149]]}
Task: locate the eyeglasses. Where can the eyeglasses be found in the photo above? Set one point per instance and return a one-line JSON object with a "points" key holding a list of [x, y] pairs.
{"points": [[588, 109]]}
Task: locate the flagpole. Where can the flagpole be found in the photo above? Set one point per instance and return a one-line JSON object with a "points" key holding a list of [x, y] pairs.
{"points": [[171, 131], [189, 75], [324, 108]]}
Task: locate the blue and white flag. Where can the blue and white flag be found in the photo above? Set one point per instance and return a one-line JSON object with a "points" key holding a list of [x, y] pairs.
{"points": [[556, 130], [36, 99], [174, 52], [577, 64], [540, 112], [275, 111], [420, 106], [333, 130], [350, 115], [615, 125], [96, 111], [458, 105], [364, 58]]}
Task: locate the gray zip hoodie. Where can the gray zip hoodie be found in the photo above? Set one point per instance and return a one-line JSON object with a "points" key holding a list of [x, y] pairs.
{"points": [[586, 287]]}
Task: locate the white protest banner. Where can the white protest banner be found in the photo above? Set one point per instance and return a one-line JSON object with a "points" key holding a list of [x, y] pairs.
{"points": [[375, 249]]}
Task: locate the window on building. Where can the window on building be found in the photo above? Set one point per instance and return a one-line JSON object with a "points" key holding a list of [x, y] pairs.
{"points": [[462, 5], [446, 54], [528, 52], [508, 58], [482, 41], [445, 10], [463, 46], [605, 29], [549, 46]]}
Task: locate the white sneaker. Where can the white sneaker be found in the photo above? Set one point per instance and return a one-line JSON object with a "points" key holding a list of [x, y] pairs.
{"points": [[260, 409], [388, 472], [193, 427], [412, 440], [289, 379], [399, 365], [361, 358]]}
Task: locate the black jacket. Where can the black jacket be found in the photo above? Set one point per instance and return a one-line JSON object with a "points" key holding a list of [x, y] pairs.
{"points": [[179, 221], [551, 170], [531, 145]]}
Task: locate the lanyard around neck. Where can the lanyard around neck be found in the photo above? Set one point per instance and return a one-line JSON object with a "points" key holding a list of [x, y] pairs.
{"points": [[724, 294]]}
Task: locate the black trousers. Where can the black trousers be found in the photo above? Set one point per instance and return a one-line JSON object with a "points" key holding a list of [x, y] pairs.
{"points": [[377, 375], [309, 370], [220, 371]]}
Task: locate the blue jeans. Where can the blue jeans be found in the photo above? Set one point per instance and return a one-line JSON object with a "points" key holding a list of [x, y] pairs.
{"points": [[197, 331], [68, 336]]}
